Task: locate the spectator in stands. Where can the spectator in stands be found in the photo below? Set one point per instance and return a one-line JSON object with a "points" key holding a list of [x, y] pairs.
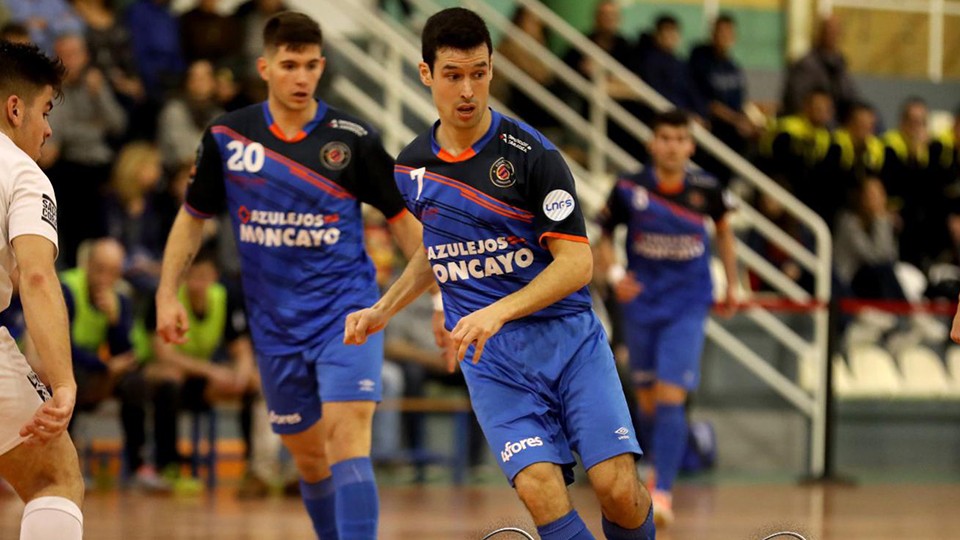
{"points": [[516, 53], [252, 15], [865, 245], [205, 34], [914, 186], [854, 154], [823, 67], [15, 33], [101, 319], [773, 252], [155, 37], [722, 83], [184, 118], [230, 94], [46, 20], [131, 216], [795, 143], [80, 148], [110, 49], [216, 364], [663, 69]]}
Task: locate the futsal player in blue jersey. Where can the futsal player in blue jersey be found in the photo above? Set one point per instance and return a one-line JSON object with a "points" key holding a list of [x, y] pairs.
{"points": [[292, 173], [504, 237], [666, 288]]}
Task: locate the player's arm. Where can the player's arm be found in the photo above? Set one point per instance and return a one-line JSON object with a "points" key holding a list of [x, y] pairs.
{"points": [[45, 314], [625, 285], [726, 247], [571, 269], [417, 277], [206, 196]]}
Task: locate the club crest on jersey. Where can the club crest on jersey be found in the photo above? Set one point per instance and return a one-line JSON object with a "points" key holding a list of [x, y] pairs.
{"points": [[641, 199], [335, 155], [697, 200], [502, 173]]}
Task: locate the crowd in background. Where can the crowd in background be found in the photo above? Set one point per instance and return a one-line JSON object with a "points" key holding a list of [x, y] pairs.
{"points": [[143, 82]]}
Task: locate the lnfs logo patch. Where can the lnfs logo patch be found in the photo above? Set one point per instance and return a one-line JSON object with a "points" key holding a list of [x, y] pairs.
{"points": [[502, 173], [48, 212], [335, 155]]}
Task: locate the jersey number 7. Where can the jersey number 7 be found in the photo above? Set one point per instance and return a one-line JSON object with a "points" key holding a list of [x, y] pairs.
{"points": [[417, 174]]}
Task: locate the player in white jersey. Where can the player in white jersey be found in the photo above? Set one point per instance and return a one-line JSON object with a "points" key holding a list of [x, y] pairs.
{"points": [[37, 456]]}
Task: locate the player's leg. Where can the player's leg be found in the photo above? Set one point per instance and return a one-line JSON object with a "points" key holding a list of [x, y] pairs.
{"points": [[48, 480], [679, 347], [598, 422], [543, 490], [350, 386], [290, 390], [641, 340]]}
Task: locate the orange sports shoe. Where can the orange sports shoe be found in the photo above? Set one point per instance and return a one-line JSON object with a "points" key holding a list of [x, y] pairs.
{"points": [[662, 508]]}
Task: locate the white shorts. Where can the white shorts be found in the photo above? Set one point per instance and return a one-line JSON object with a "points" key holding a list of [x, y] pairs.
{"points": [[21, 392]]}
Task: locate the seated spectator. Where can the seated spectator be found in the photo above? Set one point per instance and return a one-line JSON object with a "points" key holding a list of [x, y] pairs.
{"points": [[110, 49], [794, 144], [132, 217], [865, 246], [104, 364], [205, 34], [80, 149], [854, 154], [514, 51], [46, 20], [184, 117], [215, 364], [15, 33], [230, 94], [252, 15], [824, 67], [915, 188], [775, 254], [663, 69], [155, 37], [723, 84]]}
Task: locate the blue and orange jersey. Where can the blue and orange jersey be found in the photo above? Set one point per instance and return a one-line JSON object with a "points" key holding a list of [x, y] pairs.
{"points": [[668, 247], [487, 214], [295, 209]]}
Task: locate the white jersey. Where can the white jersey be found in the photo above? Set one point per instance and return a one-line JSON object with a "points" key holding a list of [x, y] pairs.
{"points": [[27, 206]]}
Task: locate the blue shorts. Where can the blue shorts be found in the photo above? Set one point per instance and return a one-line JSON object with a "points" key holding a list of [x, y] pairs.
{"points": [[296, 385], [668, 350], [545, 389]]}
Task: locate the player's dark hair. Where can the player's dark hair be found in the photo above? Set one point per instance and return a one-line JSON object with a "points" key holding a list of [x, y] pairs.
{"points": [[664, 21], [672, 118], [25, 71], [453, 28], [292, 30], [207, 254]]}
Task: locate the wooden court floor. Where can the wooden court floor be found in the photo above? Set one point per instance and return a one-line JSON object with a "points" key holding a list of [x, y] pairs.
{"points": [[734, 512]]}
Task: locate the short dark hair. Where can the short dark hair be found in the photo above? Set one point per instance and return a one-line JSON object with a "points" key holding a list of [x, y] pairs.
{"points": [[15, 30], [293, 30], [25, 70], [854, 107], [910, 102], [724, 18], [665, 20], [672, 118], [453, 28]]}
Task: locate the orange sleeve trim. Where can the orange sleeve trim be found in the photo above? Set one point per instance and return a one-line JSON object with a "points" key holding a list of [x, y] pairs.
{"points": [[561, 236], [397, 217]]}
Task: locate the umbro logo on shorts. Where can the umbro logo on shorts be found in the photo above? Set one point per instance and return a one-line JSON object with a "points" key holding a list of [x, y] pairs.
{"points": [[622, 433], [367, 385]]}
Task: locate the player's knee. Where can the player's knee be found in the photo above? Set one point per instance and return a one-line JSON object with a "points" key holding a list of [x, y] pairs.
{"points": [[542, 490], [670, 393], [620, 496]]}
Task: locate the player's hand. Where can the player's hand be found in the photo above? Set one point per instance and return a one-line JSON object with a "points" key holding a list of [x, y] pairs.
{"points": [[627, 288], [474, 329], [361, 324], [172, 321], [51, 418], [440, 333], [728, 307]]}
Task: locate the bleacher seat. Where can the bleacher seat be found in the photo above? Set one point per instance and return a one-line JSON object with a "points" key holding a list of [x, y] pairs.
{"points": [[874, 372], [924, 375], [953, 369], [843, 384]]}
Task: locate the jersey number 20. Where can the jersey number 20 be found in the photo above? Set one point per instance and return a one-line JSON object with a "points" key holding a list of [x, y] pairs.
{"points": [[245, 157]]}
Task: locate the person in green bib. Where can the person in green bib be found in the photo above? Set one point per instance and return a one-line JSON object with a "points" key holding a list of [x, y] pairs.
{"points": [[215, 364], [101, 319]]}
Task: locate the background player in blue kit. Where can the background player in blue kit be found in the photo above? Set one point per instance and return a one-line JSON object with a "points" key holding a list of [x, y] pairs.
{"points": [[504, 237], [292, 173], [666, 288]]}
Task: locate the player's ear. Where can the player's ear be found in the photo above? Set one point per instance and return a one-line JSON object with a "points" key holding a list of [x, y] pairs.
{"points": [[14, 110], [262, 67], [323, 64], [425, 76]]}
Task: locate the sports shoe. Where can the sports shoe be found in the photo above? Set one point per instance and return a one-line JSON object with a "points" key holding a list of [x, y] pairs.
{"points": [[662, 508], [252, 487], [147, 479]]}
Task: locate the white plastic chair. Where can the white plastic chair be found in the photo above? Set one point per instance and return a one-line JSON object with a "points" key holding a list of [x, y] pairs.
{"points": [[874, 372], [924, 375], [843, 384]]}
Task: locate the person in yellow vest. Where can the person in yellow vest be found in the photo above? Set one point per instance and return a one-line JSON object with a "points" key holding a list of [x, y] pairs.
{"points": [[854, 154], [215, 364], [101, 319], [795, 143]]}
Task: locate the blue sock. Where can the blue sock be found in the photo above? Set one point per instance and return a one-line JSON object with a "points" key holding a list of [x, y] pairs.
{"points": [[644, 532], [320, 500], [357, 506], [669, 443], [569, 527]]}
